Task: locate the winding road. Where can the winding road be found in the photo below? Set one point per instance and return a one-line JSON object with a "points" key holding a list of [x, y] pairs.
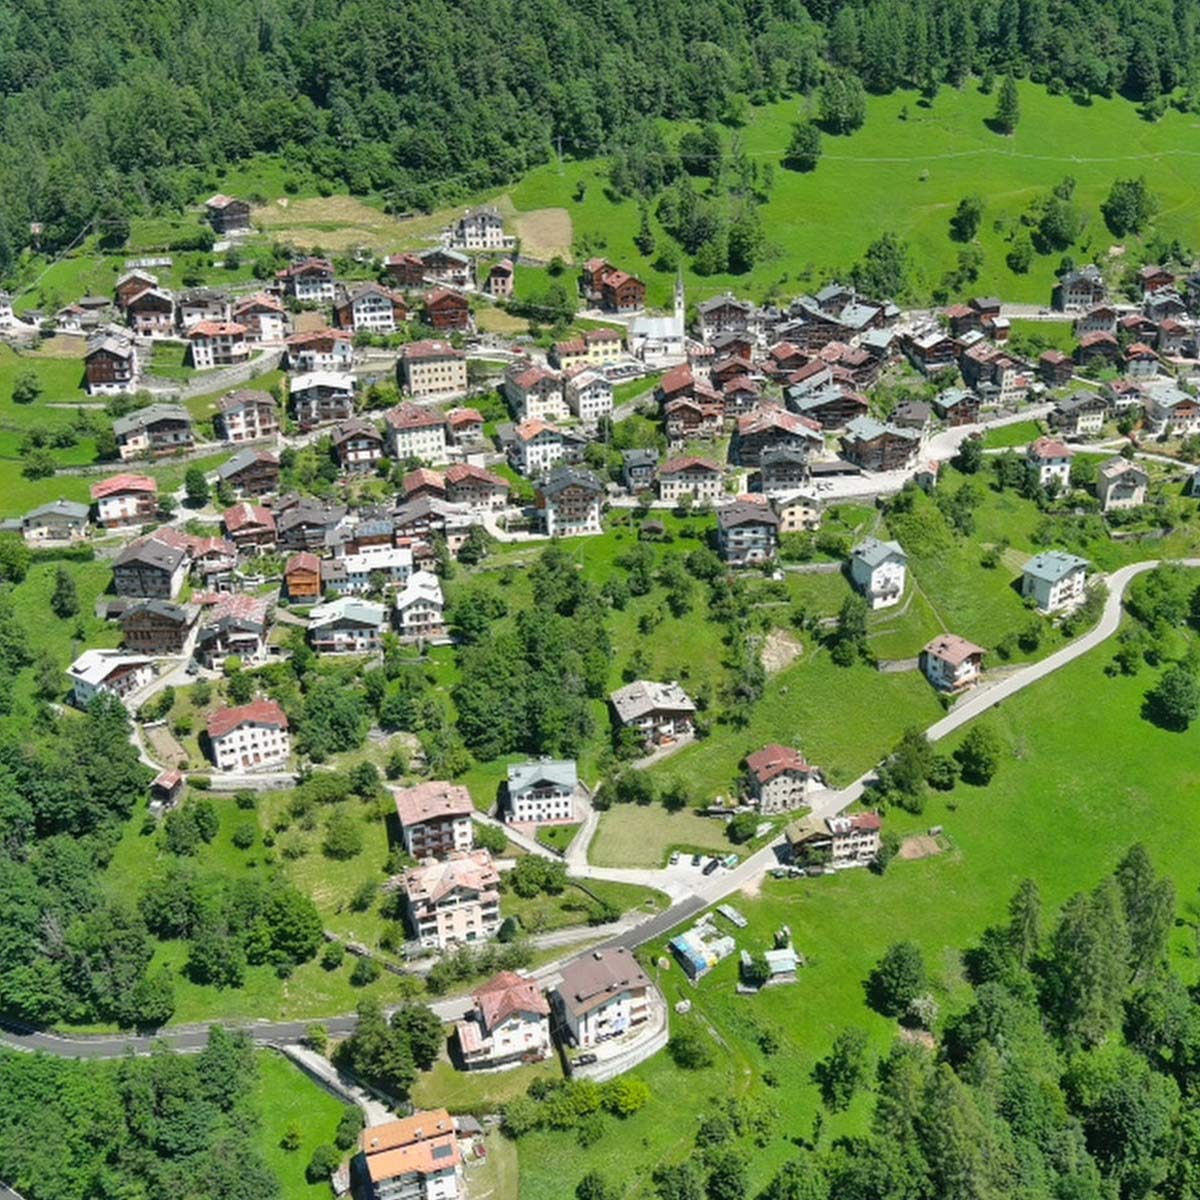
{"points": [[689, 891]]}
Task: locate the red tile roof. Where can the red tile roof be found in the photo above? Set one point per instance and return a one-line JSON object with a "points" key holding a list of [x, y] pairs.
{"points": [[506, 994], [217, 329], [951, 648], [424, 477], [461, 472], [305, 560], [687, 462], [1050, 448], [260, 712], [124, 483], [432, 800], [244, 513], [773, 760], [411, 416], [464, 416]]}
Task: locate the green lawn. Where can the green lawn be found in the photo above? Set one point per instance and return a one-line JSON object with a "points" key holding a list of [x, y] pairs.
{"points": [[1087, 777], [1021, 433], [557, 837], [284, 1097], [633, 835], [477, 1092]]}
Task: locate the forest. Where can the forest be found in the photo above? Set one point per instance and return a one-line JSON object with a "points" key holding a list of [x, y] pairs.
{"points": [[117, 109]]}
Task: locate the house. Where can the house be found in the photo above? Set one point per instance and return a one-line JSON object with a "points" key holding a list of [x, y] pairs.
{"points": [[157, 627], [369, 308], [125, 499], [263, 317], [447, 310], [677, 383], [419, 521], [132, 283], [536, 447], [589, 396], [476, 487], [357, 444], [151, 313], [246, 414], [56, 523], [638, 469], [1097, 347], [842, 841], [1174, 337], [1083, 288], [876, 446], [72, 318], [779, 778], [464, 427], [913, 414], [218, 344], [320, 350], [214, 560], [725, 314], [600, 995], [831, 407], [309, 281], [251, 472], [413, 432], [110, 364], [690, 475], [957, 406], [321, 396], [455, 901], [1054, 580], [154, 430], [951, 663], [415, 1158], [201, 304], [347, 625], [769, 426], [1165, 304], [108, 673], [435, 818], [798, 512], [251, 737], [1055, 368], [747, 533], [1170, 411], [166, 790], [610, 288], [1121, 483], [440, 264], [507, 1025], [1049, 459], [302, 576], [499, 281], [569, 502], [420, 608], [540, 791], [686, 420], [660, 713], [782, 469], [227, 214], [931, 351], [534, 393], [1079, 415], [153, 566], [407, 270], [249, 526], [432, 368], [1153, 278], [878, 569], [480, 228], [302, 524], [1141, 362], [235, 626], [1101, 319]]}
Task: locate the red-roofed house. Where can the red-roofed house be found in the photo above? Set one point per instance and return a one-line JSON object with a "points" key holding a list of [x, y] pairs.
{"points": [[454, 902], [412, 431], [686, 418], [499, 281], [302, 575], [415, 1158], [475, 487], [1050, 459], [217, 344], [125, 500], [1098, 345], [676, 383], [249, 525], [435, 818], [252, 737], [264, 317], [509, 1024], [1055, 368], [432, 368], [534, 393], [1141, 362], [951, 663], [446, 310], [424, 482], [309, 281], [779, 778], [320, 350], [842, 841], [690, 475], [408, 269], [464, 426]]}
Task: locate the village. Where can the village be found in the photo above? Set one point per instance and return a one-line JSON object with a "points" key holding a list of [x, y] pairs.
{"points": [[754, 421]]}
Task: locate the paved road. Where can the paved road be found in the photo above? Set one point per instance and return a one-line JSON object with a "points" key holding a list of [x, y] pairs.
{"points": [[700, 893]]}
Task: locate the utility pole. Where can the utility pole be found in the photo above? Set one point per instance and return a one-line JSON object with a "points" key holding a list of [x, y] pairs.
{"points": [[560, 162]]}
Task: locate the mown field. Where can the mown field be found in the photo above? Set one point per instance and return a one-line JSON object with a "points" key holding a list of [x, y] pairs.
{"points": [[1084, 777]]}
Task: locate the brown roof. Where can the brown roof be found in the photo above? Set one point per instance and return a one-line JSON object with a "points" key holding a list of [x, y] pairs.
{"points": [[687, 462], [411, 416], [461, 472], [1050, 448], [124, 483], [597, 976], [951, 648], [464, 416], [260, 712], [216, 329], [245, 513], [432, 800], [773, 760], [472, 870], [442, 296], [305, 560], [506, 994], [424, 477]]}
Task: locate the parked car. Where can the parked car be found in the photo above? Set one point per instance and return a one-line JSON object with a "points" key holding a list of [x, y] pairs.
{"points": [[731, 861], [711, 865], [674, 859], [697, 859], [585, 1060]]}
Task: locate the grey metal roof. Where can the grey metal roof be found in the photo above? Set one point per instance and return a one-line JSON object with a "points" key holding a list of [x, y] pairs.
{"points": [[1053, 565], [646, 696], [867, 429], [150, 415], [61, 508], [567, 476], [549, 770], [640, 458], [875, 553]]}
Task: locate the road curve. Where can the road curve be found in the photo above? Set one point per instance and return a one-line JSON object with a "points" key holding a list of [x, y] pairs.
{"points": [[706, 891]]}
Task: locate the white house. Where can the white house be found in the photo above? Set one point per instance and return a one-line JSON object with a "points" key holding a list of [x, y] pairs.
{"points": [[1170, 411], [108, 672], [600, 995], [508, 1024], [251, 737], [1055, 580], [1121, 484], [415, 432], [246, 414], [779, 778], [414, 1158], [264, 317], [420, 607], [879, 569], [951, 663], [589, 396], [347, 625], [320, 350], [536, 447], [54, 523], [354, 573], [569, 502], [435, 818], [690, 475], [218, 344], [480, 228], [453, 902], [541, 791], [369, 307], [320, 396], [535, 394], [309, 282], [1050, 460], [660, 712]]}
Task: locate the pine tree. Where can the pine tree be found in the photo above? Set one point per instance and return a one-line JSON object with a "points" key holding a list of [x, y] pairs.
{"points": [[64, 600], [1025, 921], [1008, 106]]}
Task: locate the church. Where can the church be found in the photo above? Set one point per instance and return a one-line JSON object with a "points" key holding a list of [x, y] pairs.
{"points": [[661, 340]]}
